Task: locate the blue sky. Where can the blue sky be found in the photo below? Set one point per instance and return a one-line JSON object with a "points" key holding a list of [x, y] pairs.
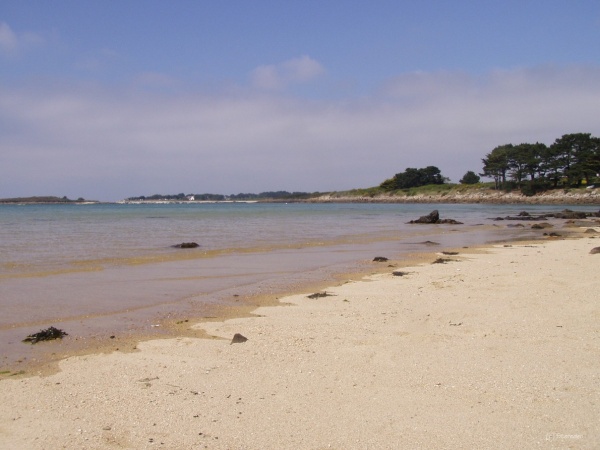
{"points": [[108, 99]]}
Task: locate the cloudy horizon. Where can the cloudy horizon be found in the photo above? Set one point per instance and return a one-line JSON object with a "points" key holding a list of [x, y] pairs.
{"points": [[85, 116]]}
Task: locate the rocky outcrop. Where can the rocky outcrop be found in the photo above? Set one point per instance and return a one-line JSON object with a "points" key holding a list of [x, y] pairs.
{"points": [[434, 217], [568, 214], [565, 214]]}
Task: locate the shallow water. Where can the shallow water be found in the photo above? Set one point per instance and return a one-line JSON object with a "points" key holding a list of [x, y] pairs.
{"points": [[98, 270]]}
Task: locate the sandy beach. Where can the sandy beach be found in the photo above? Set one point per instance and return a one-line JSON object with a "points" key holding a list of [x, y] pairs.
{"points": [[497, 349]]}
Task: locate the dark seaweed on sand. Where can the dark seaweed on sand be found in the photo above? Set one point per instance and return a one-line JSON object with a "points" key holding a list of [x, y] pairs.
{"points": [[46, 335], [442, 261], [319, 295]]}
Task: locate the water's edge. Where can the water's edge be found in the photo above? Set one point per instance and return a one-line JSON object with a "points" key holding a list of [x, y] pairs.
{"points": [[236, 283]]}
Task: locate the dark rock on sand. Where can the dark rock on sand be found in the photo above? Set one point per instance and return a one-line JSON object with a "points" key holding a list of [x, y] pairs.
{"points": [[380, 259], [595, 250], [238, 339], [187, 245], [519, 217], [441, 261], [429, 243], [541, 226], [398, 273], [48, 334]]}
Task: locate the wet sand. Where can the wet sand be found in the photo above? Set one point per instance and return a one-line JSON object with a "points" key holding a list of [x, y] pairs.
{"points": [[108, 308], [494, 349]]}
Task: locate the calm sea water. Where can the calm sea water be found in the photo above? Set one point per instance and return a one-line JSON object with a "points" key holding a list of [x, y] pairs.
{"points": [[48, 239], [105, 268]]}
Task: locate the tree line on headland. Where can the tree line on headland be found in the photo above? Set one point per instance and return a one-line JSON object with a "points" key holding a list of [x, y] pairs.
{"points": [[571, 161]]}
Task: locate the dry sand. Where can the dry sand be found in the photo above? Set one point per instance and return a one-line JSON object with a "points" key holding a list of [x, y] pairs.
{"points": [[497, 350]]}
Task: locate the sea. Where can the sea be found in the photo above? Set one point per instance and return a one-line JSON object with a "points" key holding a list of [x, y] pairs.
{"points": [[102, 271]]}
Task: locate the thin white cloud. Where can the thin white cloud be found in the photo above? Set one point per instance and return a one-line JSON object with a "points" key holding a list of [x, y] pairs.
{"points": [[302, 69], [8, 39], [12, 42], [109, 145], [279, 76]]}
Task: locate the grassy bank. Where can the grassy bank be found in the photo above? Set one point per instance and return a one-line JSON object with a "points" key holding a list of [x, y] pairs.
{"points": [[461, 193]]}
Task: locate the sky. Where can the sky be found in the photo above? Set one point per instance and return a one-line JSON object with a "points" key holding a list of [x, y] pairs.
{"points": [[108, 99]]}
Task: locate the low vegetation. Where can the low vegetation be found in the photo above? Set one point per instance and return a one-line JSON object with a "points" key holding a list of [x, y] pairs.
{"points": [[40, 199]]}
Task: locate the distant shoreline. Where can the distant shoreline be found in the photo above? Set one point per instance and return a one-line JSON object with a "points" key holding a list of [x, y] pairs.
{"points": [[45, 200], [557, 197], [467, 196]]}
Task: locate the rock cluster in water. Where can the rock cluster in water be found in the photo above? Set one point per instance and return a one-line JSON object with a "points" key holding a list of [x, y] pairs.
{"points": [[434, 217]]}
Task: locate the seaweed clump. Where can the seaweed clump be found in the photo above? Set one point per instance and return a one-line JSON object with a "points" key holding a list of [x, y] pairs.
{"points": [[48, 334], [319, 295]]}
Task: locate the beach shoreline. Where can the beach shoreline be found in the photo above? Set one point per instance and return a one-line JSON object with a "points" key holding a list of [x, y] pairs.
{"points": [[43, 359], [495, 348], [117, 305]]}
